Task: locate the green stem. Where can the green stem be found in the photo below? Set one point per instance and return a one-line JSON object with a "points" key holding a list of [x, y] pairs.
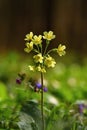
{"points": [[47, 43], [42, 103], [55, 49], [41, 49]]}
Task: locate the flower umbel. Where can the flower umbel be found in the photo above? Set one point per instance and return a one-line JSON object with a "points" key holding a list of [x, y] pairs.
{"points": [[42, 58]]}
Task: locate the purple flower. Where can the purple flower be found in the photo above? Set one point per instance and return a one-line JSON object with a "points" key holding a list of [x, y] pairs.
{"points": [[81, 107], [38, 85], [18, 81], [45, 89]]}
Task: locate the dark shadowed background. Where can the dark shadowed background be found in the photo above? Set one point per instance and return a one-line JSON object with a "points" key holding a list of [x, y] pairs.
{"points": [[67, 18]]}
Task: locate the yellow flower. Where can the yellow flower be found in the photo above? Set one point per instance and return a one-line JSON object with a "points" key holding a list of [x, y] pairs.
{"points": [[29, 47], [38, 68], [41, 69], [48, 35], [38, 58], [49, 62], [61, 50], [32, 68], [37, 39], [29, 36]]}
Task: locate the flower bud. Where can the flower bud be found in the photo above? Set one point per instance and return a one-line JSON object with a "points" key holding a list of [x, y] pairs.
{"points": [[45, 89], [18, 81]]}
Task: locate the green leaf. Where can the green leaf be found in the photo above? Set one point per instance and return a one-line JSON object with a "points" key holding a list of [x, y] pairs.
{"points": [[31, 116], [26, 122], [3, 91], [56, 119]]}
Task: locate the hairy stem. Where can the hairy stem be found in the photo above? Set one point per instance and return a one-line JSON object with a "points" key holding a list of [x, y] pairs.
{"points": [[42, 103]]}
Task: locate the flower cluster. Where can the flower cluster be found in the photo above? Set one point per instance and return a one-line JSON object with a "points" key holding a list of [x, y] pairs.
{"points": [[42, 58]]}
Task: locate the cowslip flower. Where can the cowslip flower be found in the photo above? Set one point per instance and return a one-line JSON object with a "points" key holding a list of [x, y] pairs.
{"points": [[29, 36], [41, 69], [32, 68], [38, 68], [29, 47], [48, 35], [61, 50], [37, 39], [49, 61], [38, 58]]}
